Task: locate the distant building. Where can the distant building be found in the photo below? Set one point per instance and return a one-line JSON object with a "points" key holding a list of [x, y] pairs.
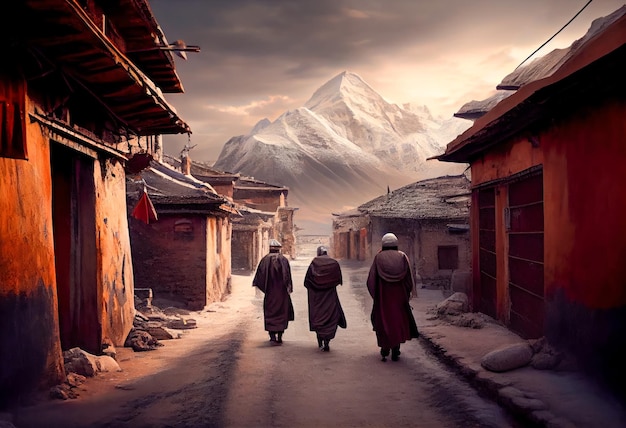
{"points": [[548, 200], [430, 219], [264, 208], [185, 254]]}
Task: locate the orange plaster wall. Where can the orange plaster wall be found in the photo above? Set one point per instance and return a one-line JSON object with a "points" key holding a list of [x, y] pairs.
{"points": [[27, 271], [115, 270], [217, 264], [585, 207], [584, 202]]}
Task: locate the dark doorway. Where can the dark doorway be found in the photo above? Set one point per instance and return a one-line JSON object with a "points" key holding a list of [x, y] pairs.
{"points": [[525, 232], [74, 223], [487, 252]]}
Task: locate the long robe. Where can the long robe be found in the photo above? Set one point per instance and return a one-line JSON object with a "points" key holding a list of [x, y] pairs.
{"points": [[325, 311], [390, 283], [273, 277]]}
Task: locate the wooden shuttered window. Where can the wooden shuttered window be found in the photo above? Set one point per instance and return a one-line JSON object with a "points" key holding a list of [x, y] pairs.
{"points": [[12, 115]]}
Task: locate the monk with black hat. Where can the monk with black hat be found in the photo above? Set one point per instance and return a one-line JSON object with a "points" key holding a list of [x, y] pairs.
{"points": [[325, 312], [273, 278]]}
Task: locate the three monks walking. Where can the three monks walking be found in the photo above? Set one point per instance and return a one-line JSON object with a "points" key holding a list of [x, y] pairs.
{"points": [[390, 284]]}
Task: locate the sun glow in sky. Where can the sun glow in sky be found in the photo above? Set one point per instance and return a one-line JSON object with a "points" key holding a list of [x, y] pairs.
{"points": [[260, 58]]}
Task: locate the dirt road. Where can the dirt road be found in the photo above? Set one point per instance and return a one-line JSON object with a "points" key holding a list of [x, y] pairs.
{"points": [[225, 374]]}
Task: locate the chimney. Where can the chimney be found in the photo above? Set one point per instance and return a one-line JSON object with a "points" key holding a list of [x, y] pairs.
{"points": [[185, 164]]}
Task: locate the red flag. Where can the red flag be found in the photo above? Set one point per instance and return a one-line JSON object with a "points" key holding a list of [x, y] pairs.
{"points": [[144, 210]]}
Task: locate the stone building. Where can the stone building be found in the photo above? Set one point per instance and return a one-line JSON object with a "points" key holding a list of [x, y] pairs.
{"points": [[264, 208], [430, 219], [81, 100], [184, 254]]}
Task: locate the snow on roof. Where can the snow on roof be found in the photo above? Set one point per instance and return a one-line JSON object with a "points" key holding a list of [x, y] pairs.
{"points": [[475, 109], [166, 186], [546, 65], [446, 197]]}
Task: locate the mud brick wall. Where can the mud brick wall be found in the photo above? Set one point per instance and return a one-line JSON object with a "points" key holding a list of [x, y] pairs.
{"points": [[170, 256]]}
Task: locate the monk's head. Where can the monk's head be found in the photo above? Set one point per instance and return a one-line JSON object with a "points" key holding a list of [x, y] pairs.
{"points": [[275, 246], [322, 251], [390, 241]]}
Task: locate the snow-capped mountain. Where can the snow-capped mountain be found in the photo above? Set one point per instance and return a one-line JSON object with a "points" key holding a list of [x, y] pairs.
{"points": [[345, 146]]}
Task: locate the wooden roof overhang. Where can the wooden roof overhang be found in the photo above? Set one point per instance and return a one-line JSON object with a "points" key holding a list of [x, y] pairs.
{"points": [[217, 179], [592, 74], [145, 42], [203, 205], [63, 32]]}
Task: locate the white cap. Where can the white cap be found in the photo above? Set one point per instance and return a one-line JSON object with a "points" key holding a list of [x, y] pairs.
{"points": [[390, 240], [275, 243]]}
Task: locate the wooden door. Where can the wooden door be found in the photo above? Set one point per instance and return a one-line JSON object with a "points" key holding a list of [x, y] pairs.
{"points": [[487, 251], [525, 257]]}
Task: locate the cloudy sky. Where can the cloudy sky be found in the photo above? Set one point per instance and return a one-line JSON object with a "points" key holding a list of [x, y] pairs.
{"points": [[260, 58]]}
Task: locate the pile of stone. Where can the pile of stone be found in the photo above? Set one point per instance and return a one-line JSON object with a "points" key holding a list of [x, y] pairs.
{"points": [[79, 365], [537, 353], [454, 310], [151, 324]]}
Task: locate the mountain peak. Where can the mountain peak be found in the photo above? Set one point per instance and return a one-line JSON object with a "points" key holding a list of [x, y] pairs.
{"points": [[342, 148], [343, 84]]}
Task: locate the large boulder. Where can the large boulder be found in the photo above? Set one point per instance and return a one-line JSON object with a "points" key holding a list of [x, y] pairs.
{"points": [[83, 363], [141, 340], [546, 356], [508, 357], [160, 332], [454, 305], [461, 281]]}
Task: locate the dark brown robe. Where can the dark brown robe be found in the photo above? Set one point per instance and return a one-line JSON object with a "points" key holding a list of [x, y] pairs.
{"points": [[325, 311], [390, 283], [273, 277]]}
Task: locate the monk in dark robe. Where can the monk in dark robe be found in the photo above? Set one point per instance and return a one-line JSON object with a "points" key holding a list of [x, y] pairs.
{"points": [[273, 278], [390, 283], [325, 312]]}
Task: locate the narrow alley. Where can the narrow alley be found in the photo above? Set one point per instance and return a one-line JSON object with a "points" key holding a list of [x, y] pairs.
{"points": [[225, 374]]}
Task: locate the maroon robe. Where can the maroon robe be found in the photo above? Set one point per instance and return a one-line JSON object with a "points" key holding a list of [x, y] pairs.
{"points": [[325, 312], [390, 283], [273, 277]]}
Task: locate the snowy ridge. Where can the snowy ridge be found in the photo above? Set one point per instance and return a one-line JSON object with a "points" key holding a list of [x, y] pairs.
{"points": [[343, 147]]}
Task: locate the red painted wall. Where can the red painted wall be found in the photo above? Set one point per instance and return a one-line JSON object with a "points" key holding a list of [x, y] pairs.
{"points": [[583, 157], [585, 208]]}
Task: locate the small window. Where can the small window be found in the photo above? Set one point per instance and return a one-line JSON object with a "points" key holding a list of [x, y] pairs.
{"points": [[183, 226], [448, 256], [12, 116]]}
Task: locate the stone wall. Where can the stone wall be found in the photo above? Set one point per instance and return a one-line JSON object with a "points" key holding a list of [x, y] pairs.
{"points": [[170, 256]]}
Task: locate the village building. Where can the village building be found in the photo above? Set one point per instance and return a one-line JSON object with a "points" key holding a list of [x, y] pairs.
{"points": [[250, 240], [182, 253], [81, 93], [264, 210], [548, 197], [430, 219], [269, 198]]}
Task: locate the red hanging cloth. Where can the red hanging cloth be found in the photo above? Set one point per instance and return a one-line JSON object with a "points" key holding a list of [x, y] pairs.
{"points": [[144, 210]]}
